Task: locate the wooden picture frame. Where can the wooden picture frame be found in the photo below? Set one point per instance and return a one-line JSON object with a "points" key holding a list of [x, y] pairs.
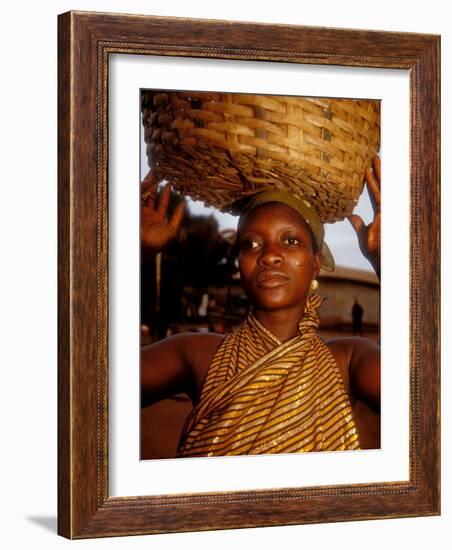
{"points": [[86, 40]]}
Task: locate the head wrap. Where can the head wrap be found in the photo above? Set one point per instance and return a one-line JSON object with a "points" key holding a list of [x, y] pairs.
{"points": [[303, 207]]}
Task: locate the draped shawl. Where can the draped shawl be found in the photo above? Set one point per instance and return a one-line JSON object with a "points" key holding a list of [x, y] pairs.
{"points": [[264, 396]]}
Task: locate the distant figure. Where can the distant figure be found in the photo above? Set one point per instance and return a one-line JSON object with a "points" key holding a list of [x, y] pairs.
{"points": [[357, 317], [202, 311]]}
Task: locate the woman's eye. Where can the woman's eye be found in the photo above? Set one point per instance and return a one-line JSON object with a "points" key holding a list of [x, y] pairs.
{"points": [[292, 241], [249, 244]]}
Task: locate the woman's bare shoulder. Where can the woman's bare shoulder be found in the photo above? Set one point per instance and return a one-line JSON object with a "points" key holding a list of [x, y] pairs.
{"points": [[363, 369], [198, 341], [350, 351], [192, 348], [177, 364], [349, 344], [199, 351], [201, 346]]}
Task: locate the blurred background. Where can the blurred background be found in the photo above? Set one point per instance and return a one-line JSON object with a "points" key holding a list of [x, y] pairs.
{"points": [[194, 285]]}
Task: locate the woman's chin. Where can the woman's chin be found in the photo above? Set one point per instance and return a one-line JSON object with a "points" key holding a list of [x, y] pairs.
{"points": [[272, 303]]}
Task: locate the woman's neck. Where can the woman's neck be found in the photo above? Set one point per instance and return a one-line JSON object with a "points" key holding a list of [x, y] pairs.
{"points": [[281, 323]]}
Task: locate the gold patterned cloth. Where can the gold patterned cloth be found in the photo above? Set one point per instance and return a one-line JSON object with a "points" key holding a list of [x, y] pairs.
{"points": [[262, 396]]}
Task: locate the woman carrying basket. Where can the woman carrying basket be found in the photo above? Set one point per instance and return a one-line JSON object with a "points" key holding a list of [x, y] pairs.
{"points": [[273, 385]]}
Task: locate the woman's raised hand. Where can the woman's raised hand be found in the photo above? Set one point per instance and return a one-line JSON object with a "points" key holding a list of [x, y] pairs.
{"points": [[156, 230], [369, 235]]}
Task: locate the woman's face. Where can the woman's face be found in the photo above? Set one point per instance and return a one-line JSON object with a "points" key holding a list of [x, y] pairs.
{"points": [[276, 258]]}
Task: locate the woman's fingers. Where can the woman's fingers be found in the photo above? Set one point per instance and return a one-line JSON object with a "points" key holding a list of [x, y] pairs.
{"points": [[149, 190], [373, 180], [149, 194], [164, 199], [357, 223], [376, 163], [148, 182], [369, 235], [177, 217], [373, 237], [373, 186], [148, 178], [154, 212]]}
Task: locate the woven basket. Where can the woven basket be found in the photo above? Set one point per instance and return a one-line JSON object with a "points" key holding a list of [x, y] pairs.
{"points": [[218, 147]]}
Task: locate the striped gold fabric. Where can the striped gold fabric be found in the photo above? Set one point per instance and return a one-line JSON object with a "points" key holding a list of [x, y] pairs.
{"points": [[264, 396]]}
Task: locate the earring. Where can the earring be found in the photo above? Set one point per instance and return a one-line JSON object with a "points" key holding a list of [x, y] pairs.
{"points": [[314, 284]]}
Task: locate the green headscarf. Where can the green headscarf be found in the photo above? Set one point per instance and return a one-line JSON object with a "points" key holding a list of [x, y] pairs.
{"points": [[303, 207]]}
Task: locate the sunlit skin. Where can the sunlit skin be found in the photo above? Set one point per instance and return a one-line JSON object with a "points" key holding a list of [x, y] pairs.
{"points": [[277, 264]]}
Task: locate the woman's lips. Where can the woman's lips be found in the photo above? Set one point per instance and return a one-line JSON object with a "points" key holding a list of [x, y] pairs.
{"points": [[271, 278]]}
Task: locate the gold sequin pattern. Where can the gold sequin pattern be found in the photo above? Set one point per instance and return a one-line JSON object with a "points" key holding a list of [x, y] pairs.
{"points": [[262, 396]]}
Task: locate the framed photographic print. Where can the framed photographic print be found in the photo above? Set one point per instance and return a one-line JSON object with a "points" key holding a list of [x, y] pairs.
{"points": [[224, 111]]}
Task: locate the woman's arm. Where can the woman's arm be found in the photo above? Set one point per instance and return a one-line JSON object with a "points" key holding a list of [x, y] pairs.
{"points": [[163, 364], [358, 360], [164, 370], [369, 235], [364, 372], [177, 364], [364, 366]]}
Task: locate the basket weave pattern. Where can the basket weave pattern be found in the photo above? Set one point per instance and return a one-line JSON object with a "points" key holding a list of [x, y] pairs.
{"points": [[219, 147]]}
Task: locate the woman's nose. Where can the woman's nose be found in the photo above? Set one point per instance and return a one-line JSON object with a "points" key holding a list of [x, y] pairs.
{"points": [[270, 255]]}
